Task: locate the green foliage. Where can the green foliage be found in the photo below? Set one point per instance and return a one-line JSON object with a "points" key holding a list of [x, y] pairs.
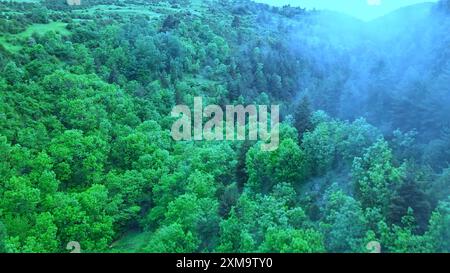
{"points": [[302, 116], [293, 241], [3, 237], [333, 141], [86, 153], [344, 223], [438, 232], [286, 164], [172, 239], [277, 215], [375, 175]]}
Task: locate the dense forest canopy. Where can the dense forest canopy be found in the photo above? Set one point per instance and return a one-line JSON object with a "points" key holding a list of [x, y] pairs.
{"points": [[86, 94]]}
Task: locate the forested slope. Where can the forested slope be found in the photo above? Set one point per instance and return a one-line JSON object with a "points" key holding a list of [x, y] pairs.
{"points": [[87, 156]]}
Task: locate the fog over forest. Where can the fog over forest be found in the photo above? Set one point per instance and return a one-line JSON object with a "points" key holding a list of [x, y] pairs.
{"points": [[365, 10], [392, 71]]}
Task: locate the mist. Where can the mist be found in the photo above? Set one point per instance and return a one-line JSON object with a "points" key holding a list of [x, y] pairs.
{"points": [[365, 10], [393, 71]]}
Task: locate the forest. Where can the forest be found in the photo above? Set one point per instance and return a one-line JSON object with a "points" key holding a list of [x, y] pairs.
{"points": [[86, 153]]}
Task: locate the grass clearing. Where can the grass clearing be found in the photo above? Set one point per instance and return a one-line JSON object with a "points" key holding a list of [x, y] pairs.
{"points": [[133, 241], [25, 1], [8, 45], [128, 10], [12, 42], [58, 27]]}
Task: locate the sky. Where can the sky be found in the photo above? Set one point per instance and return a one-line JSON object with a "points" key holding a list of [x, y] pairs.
{"points": [[363, 9]]}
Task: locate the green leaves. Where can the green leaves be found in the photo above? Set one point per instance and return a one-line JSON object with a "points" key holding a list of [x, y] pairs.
{"points": [[86, 154], [3, 238], [13, 73], [438, 232], [19, 196], [287, 164], [344, 223], [172, 239], [44, 235], [375, 175], [292, 241], [333, 141]]}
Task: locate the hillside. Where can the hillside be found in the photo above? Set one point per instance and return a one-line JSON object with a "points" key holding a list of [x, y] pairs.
{"points": [[88, 154]]}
